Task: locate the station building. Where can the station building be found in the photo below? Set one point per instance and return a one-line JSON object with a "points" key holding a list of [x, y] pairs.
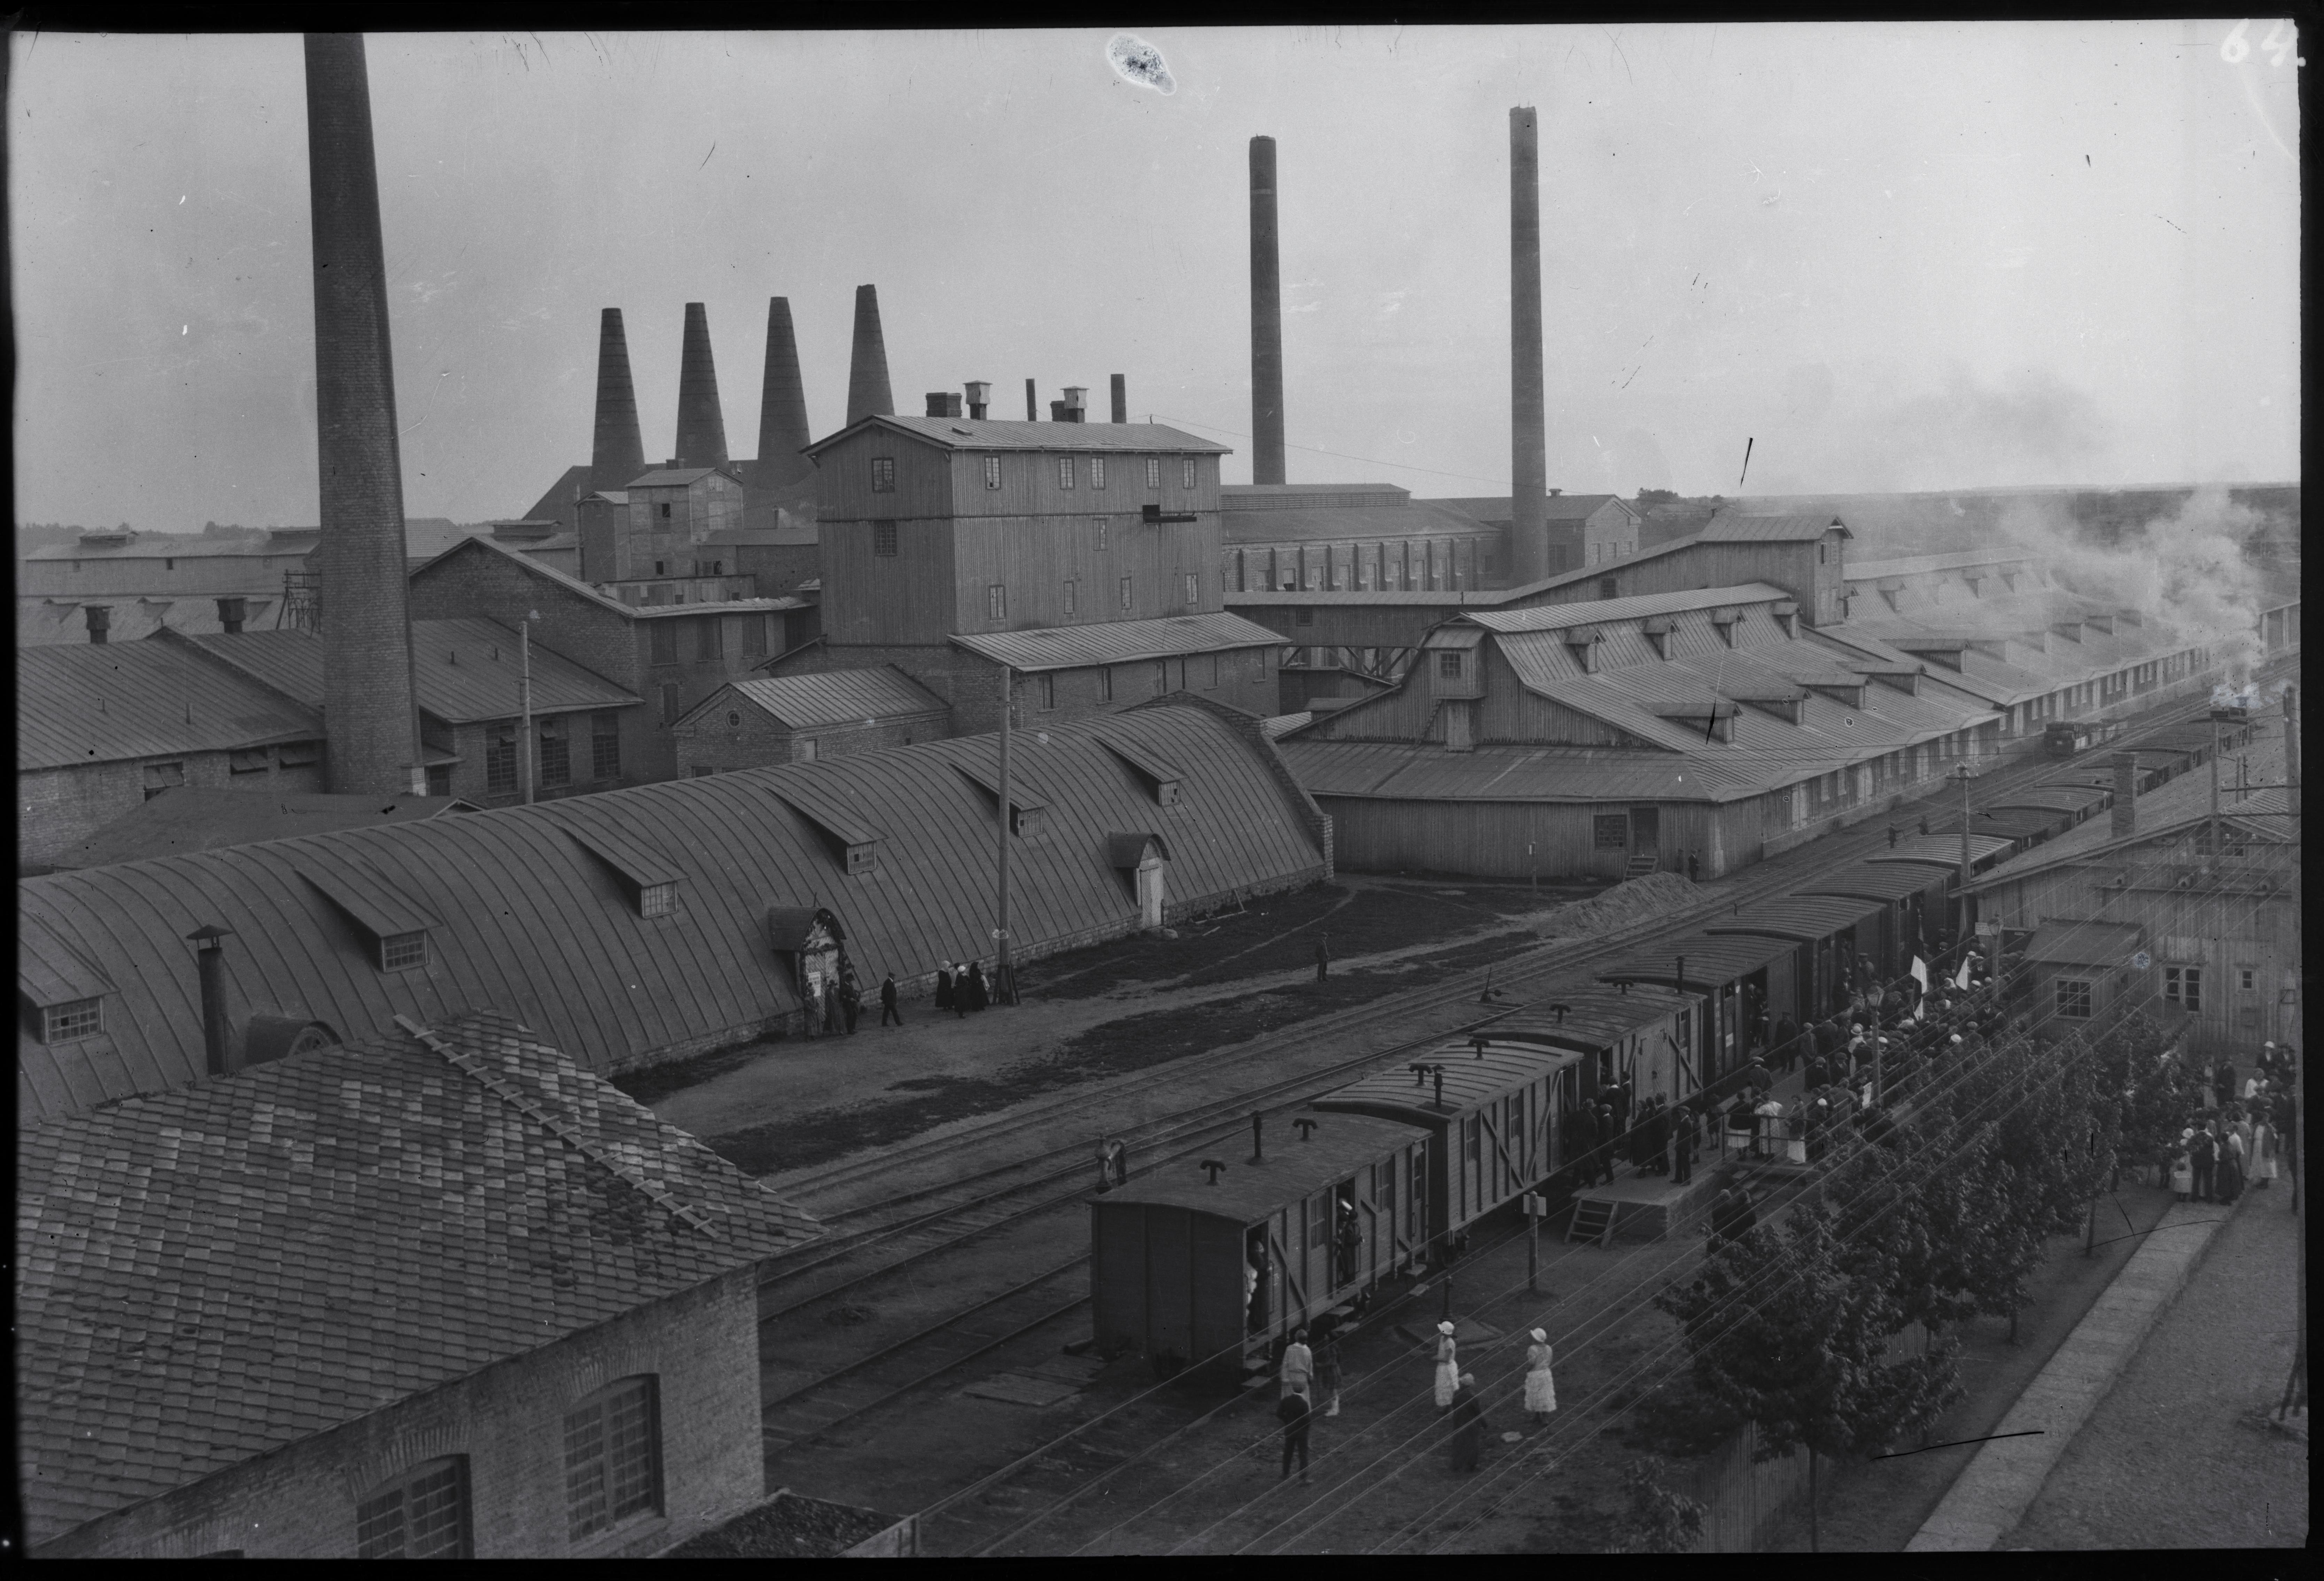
{"points": [[446, 1296], [645, 925]]}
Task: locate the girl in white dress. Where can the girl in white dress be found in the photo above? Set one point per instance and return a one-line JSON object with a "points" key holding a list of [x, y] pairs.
{"points": [[1448, 1368], [1540, 1387]]}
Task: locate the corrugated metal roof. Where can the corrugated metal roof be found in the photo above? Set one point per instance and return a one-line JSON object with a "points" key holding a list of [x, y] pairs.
{"points": [[1491, 509], [1800, 918], [1066, 647], [1297, 496], [1889, 881], [214, 1273], [1471, 1078], [50, 974], [1707, 960], [1555, 617], [466, 669], [1400, 771], [1595, 1017], [1293, 1170], [856, 696], [190, 818], [968, 434], [532, 922], [1944, 850], [150, 548], [1924, 565], [2064, 942], [1731, 528], [102, 702]]}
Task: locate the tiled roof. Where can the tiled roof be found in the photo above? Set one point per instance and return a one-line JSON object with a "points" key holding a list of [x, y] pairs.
{"points": [[193, 818], [1730, 528], [968, 434], [212, 1274], [855, 696], [531, 922], [466, 669], [1064, 648], [101, 703]]}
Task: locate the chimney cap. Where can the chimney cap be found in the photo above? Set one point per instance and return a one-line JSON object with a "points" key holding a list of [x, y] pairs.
{"points": [[209, 933]]}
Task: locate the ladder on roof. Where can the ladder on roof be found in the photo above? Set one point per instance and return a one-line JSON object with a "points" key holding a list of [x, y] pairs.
{"points": [[1593, 1220], [515, 1096]]}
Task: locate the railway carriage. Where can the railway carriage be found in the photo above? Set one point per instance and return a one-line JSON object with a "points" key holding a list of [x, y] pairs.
{"points": [[1738, 976], [1319, 1221], [1642, 1036], [1828, 933], [2066, 738], [1914, 900]]}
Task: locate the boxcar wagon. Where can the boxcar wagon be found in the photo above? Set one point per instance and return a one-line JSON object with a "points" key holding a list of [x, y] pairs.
{"points": [[1211, 1269]]}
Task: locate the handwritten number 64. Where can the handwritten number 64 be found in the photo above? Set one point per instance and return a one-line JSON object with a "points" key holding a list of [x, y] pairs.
{"points": [[2235, 49]]}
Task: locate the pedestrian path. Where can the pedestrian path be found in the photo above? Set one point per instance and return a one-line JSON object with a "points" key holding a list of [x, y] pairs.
{"points": [[1998, 1487]]}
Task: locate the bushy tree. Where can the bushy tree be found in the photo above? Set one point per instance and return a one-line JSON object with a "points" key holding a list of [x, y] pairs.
{"points": [[1899, 1214], [1659, 1521]]}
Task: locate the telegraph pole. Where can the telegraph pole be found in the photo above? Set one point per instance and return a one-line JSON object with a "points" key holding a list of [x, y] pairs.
{"points": [[1004, 985], [524, 743], [1962, 774]]}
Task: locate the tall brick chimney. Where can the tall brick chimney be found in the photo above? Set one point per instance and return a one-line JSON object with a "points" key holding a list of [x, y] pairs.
{"points": [[1528, 437], [1120, 398], [867, 370], [1265, 320], [782, 405], [618, 453], [370, 727], [701, 426]]}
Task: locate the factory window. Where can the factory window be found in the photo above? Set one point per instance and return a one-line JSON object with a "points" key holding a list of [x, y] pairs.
{"points": [[2183, 986], [421, 1513], [1611, 831], [1212, 685], [1194, 589], [996, 602], [661, 568], [1820, 551], [439, 779], [606, 746], [883, 537], [803, 750], [661, 899], [991, 472], [298, 755], [1100, 535], [1048, 683], [1319, 1223], [403, 951], [1153, 480], [1161, 676], [2246, 979], [665, 512], [706, 646], [1125, 592], [613, 1458], [883, 476], [670, 709], [250, 760], [754, 635], [2074, 999], [1097, 471], [663, 642], [1069, 600], [1186, 472], [1105, 684], [500, 758], [556, 753], [162, 777], [1304, 617], [74, 1018], [1064, 471], [1449, 665], [169, 565]]}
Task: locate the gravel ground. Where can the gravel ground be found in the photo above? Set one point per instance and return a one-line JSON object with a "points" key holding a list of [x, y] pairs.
{"points": [[2174, 1457]]}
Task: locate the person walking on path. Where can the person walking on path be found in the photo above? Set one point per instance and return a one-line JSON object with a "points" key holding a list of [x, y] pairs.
{"points": [[888, 1011], [1327, 1372], [1694, 867], [1745, 1219], [1468, 1425], [944, 989], [2203, 1148], [1540, 1387], [1323, 958], [2182, 1176], [1448, 1365], [2263, 1153], [2231, 1164], [959, 992], [1297, 1373], [1292, 1411], [1609, 1130], [978, 996]]}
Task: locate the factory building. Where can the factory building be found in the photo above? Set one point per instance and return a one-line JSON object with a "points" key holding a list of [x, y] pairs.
{"points": [[2193, 921], [1351, 536], [649, 924], [1085, 557], [808, 719], [450, 1296]]}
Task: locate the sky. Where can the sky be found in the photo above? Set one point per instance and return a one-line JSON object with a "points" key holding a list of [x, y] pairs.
{"points": [[1884, 256]]}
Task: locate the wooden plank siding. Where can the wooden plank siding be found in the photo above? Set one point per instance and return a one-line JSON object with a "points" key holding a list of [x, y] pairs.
{"points": [[533, 926], [1033, 557]]}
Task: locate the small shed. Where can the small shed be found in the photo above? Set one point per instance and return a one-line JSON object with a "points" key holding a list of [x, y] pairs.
{"points": [[806, 719], [2079, 971]]}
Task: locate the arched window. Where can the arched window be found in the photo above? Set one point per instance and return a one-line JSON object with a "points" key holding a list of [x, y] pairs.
{"points": [[420, 1513], [612, 1456]]}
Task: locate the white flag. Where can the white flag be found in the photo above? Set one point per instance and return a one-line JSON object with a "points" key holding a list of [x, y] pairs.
{"points": [[1920, 973], [1961, 977]]}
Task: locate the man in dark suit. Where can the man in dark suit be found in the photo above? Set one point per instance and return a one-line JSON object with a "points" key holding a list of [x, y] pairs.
{"points": [[888, 1011]]}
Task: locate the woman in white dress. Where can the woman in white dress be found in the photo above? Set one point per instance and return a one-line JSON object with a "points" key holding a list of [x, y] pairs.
{"points": [[1540, 1387], [1448, 1367], [2263, 1153]]}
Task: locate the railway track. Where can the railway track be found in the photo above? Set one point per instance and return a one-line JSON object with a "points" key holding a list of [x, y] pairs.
{"points": [[892, 1240]]}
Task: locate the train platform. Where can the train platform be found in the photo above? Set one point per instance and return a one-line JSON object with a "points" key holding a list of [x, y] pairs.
{"points": [[1644, 1206]]}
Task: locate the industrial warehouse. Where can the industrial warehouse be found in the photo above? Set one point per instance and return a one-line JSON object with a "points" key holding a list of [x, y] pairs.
{"points": [[974, 982]]}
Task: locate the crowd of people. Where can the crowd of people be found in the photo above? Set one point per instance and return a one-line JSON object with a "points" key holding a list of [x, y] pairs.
{"points": [[835, 1000], [2240, 1137]]}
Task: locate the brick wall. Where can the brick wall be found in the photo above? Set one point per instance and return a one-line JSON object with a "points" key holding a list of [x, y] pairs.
{"points": [[300, 1502], [57, 808]]}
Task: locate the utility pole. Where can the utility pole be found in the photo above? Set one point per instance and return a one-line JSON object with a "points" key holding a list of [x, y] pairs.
{"points": [[1963, 776], [1004, 985], [524, 743]]}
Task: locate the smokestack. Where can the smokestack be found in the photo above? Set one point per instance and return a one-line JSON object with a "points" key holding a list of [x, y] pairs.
{"points": [[1076, 402], [944, 403], [209, 966], [1120, 400], [231, 614], [979, 399], [701, 426], [1528, 441], [1265, 320], [782, 405], [1032, 411], [2126, 793], [618, 453], [867, 371], [100, 622], [370, 728]]}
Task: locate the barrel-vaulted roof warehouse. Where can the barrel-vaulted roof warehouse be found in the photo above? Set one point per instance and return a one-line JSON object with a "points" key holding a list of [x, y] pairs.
{"points": [[541, 911]]}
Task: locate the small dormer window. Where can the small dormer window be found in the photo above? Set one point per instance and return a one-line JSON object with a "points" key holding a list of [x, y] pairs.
{"points": [[403, 951], [883, 475], [658, 900], [74, 1018], [863, 858]]}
